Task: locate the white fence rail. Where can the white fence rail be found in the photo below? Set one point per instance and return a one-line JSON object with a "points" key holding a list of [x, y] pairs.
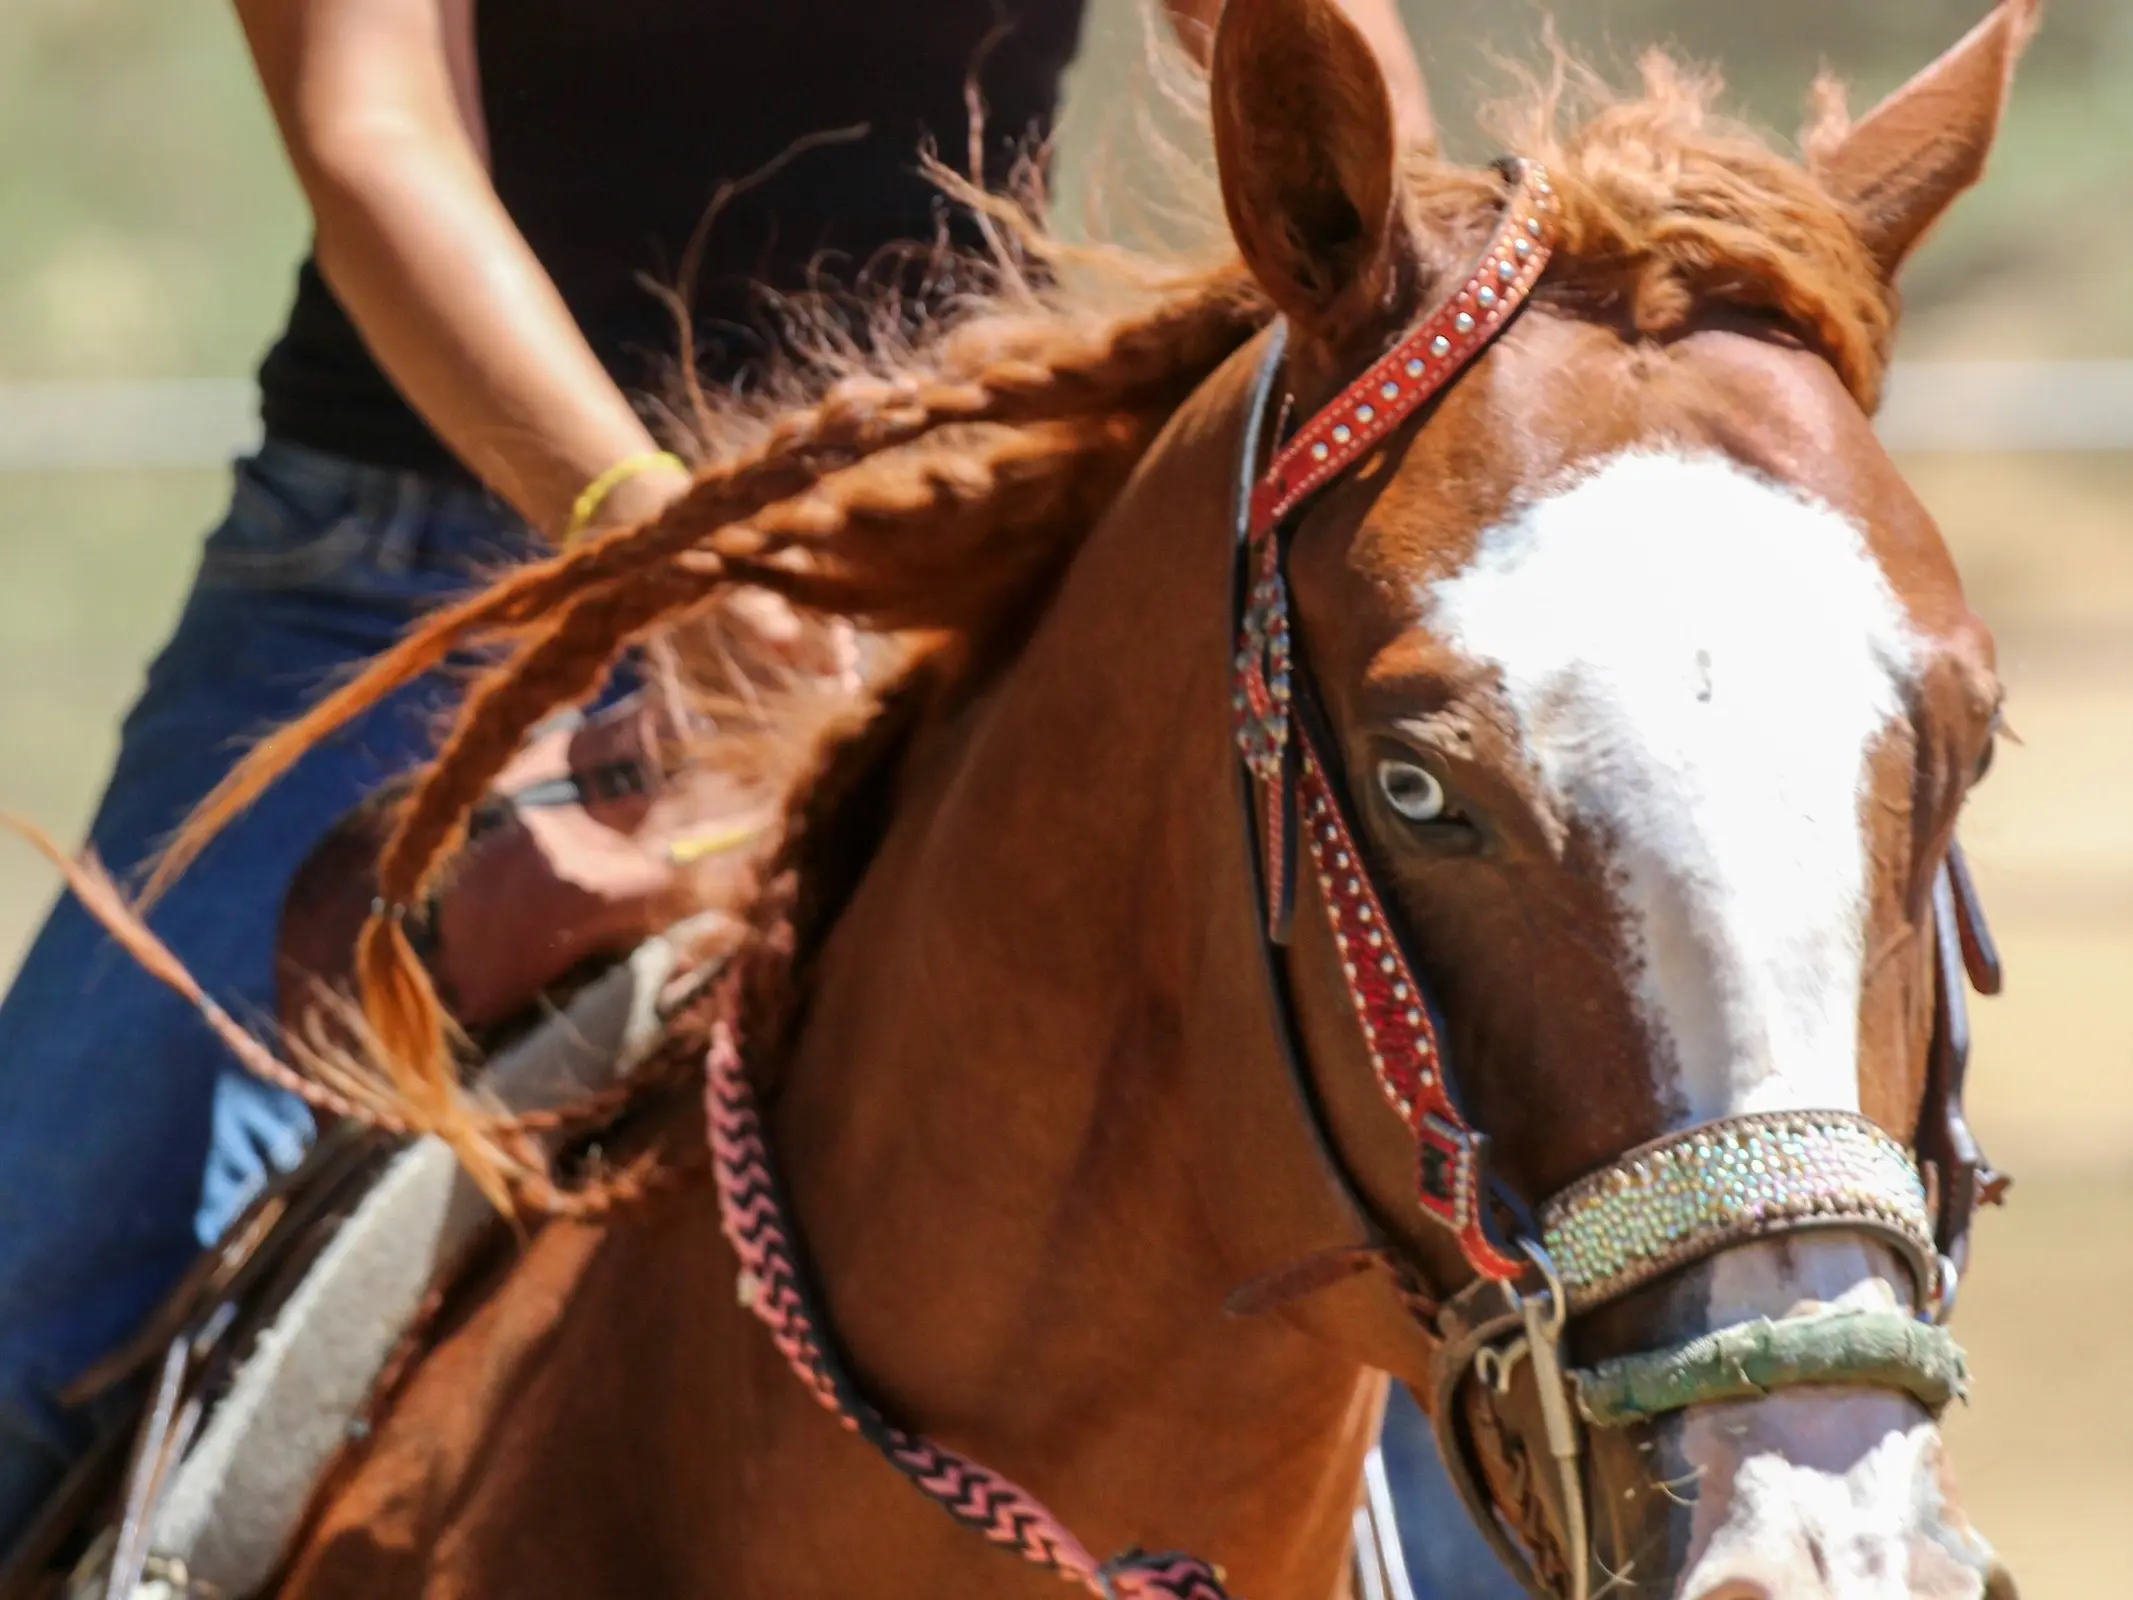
{"points": [[2009, 405], [106, 427], [1933, 406]]}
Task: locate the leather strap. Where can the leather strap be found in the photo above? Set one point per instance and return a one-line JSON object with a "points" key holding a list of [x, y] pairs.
{"points": [[1410, 374], [1286, 740], [1480, 1317], [1965, 956], [1287, 1039]]}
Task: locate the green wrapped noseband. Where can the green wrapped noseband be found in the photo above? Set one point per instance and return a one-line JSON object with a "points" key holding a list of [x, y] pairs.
{"points": [[1876, 1350]]}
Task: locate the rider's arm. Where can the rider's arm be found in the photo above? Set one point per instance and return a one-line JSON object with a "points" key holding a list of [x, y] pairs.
{"points": [[1377, 20], [377, 104]]}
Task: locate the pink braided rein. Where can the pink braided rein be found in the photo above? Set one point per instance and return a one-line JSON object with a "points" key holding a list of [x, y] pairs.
{"points": [[773, 1283]]}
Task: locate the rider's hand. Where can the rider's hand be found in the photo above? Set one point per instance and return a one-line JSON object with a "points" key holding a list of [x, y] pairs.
{"points": [[556, 878], [551, 885]]}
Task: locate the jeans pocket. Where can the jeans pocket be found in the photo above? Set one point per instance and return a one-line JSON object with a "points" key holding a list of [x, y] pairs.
{"points": [[295, 520]]}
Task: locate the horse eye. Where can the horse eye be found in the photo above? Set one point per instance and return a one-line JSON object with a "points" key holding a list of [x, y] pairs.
{"points": [[1412, 791]]}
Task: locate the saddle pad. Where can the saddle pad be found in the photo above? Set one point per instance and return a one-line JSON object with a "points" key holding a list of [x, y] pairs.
{"points": [[234, 1504]]}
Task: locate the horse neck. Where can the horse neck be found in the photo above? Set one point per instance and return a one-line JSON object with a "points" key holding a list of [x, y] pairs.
{"points": [[1036, 1104]]}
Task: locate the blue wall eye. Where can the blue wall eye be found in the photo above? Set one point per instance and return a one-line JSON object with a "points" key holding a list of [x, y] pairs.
{"points": [[1413, 791]]}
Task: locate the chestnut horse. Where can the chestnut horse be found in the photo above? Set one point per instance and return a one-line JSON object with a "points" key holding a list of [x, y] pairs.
{"points": [[1648, 695]]}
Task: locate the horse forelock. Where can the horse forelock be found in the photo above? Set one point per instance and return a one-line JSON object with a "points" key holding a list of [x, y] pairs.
{"points": [[1667, 210]]}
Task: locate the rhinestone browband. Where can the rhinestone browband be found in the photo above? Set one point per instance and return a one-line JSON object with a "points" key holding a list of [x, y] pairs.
{"points": [[1692, 1194]]}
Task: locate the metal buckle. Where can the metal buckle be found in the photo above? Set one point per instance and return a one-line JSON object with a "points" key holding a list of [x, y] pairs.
{"points": [[1545, 1316]]}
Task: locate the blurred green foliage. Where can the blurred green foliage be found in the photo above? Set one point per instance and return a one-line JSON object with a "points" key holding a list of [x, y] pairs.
{"points": [[2056, 209], [148, 225], [92, 569]]}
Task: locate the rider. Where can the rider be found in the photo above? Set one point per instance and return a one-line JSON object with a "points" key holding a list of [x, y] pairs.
{"points": [[491, 191]]}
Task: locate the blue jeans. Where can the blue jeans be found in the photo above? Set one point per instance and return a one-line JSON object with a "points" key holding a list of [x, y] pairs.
{"points": [[128, 1137]]}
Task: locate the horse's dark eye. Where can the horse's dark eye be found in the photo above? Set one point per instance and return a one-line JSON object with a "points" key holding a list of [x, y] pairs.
{"points": [[1413, 791]]}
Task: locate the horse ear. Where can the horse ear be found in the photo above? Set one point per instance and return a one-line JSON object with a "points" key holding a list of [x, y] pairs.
{"points": [[1305, 140], [1902, 167]]}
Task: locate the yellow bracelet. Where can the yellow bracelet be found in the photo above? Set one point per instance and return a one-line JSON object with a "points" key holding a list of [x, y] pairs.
{"points": [[702, 846], [587, 505]]}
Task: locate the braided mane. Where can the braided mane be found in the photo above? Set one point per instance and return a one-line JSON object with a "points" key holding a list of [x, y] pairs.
{"points": [[941, 487]]}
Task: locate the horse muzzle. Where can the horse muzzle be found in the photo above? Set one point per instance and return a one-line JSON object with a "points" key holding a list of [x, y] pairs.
{"points": [[1812, 1494], [1787, 1458]]}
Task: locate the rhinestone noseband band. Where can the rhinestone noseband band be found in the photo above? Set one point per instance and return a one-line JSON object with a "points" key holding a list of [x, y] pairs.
{"points": [[1691, 1195]]}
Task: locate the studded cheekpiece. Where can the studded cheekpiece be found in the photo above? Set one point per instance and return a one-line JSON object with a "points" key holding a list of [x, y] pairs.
{"points": [[1398, 1030]]}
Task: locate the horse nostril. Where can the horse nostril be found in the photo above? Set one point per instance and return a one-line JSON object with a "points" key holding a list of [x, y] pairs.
{"points": [[2000, 1584]]}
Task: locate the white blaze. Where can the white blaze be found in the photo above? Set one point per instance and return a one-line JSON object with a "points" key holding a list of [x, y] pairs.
{"points": [[1700, 663]]}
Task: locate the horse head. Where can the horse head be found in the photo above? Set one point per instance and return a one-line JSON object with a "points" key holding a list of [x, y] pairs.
{"points": [[1623, 701]]}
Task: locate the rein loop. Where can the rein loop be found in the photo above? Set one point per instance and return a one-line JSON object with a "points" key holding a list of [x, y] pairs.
{"points": [[775, 1285]]}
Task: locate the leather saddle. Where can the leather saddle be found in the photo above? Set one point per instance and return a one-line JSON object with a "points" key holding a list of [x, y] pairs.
{"points": [[221, 1416]]}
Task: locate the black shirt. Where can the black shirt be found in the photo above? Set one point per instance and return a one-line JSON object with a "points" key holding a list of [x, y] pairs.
{"points": [[612, 126]]}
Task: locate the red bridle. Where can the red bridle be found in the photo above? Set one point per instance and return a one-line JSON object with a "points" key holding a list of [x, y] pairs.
{"points": [[1417, 369], [1679, 1199], [1282, 751]]}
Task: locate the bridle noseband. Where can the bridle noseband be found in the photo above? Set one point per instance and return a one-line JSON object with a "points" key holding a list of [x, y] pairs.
{"points": [[1654, 1210]]}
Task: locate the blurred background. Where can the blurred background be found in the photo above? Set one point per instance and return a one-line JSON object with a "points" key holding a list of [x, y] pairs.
{"points": [[148, 236]]}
